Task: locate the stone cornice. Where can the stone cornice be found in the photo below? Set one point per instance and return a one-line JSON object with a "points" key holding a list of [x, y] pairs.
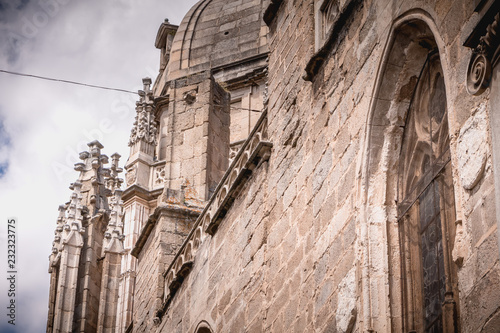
{"points": [[335, 36], [259, 74], [165, 29], [136, 190], [245, 61], [255, 149], [485, 42]]}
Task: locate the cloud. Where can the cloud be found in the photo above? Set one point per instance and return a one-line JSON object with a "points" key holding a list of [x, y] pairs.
{"points": [[4, 149], [44, 125]]}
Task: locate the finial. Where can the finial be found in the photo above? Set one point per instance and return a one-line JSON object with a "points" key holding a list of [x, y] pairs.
{"points": [[95, 143], [147, 83]]}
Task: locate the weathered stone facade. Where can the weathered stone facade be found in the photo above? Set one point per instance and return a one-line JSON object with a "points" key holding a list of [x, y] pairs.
{"points": [[310, 166]]}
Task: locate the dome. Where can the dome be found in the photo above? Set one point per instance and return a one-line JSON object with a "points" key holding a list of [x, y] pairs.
{"points": [[217, 33]]}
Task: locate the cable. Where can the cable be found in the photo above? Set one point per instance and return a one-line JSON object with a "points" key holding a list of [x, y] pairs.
{"points": [[94, 86], [67, 81]]}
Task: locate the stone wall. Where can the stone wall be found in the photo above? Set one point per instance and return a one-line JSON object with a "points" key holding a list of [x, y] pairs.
{"points": [[194, 137], [311, 242], [165, 232]]}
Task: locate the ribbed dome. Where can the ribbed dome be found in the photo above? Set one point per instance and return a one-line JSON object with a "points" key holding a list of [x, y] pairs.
{"points": [[216, 33]]}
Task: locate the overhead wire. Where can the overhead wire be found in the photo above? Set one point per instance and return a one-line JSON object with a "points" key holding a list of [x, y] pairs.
{"points": [[95, 86], [66, 81]]}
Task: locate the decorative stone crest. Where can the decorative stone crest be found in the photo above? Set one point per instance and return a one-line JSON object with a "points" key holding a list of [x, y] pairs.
{"points": [[160, 176], [483, 55], [145, 126], [472, 148], [131, 175], [56, 244]]}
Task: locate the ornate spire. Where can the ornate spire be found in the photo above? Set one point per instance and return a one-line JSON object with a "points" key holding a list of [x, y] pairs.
{"points": [[113, 237], [91, 220], [113, 182], [145, 127], [104, 183], [56, 244], [73, 228]]}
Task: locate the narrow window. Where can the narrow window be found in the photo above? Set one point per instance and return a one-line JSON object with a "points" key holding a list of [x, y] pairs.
{"points": [[426, 209]]}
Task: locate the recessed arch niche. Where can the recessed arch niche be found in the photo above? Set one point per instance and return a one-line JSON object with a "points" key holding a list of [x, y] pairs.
{"points": [[411, 77], [203, 327]]}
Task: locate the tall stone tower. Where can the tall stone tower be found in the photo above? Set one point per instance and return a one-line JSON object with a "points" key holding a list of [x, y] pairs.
{"points": [[87, 248]]}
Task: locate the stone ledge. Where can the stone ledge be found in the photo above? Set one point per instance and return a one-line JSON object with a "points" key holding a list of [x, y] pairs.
{"points": [[141, 192], [254, 150]]}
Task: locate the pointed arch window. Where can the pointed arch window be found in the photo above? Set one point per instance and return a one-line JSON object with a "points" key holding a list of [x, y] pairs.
{"points": [[426, 209]]}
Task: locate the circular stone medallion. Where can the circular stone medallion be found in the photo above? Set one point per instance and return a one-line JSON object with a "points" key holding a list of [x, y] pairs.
{"points": [[472, 149]]}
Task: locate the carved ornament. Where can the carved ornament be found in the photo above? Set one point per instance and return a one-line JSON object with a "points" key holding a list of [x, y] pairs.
{"points": [[484, 57], [145, 126]]}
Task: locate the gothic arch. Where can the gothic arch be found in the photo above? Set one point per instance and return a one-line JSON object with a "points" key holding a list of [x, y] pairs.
{"points": [[412, 38]]}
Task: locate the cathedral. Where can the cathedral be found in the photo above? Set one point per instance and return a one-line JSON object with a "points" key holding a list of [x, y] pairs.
{"points": [[297, 166]]}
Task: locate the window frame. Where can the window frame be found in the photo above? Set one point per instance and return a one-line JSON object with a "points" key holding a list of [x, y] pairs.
{"points": [[411, 191]]}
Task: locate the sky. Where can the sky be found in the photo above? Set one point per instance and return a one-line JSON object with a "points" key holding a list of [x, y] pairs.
{"points": [[44, 124]]}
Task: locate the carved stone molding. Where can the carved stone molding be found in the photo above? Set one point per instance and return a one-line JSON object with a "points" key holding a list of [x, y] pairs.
{"points": [[485, 42], [478, 74], [159, 175], [131, 175]]}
